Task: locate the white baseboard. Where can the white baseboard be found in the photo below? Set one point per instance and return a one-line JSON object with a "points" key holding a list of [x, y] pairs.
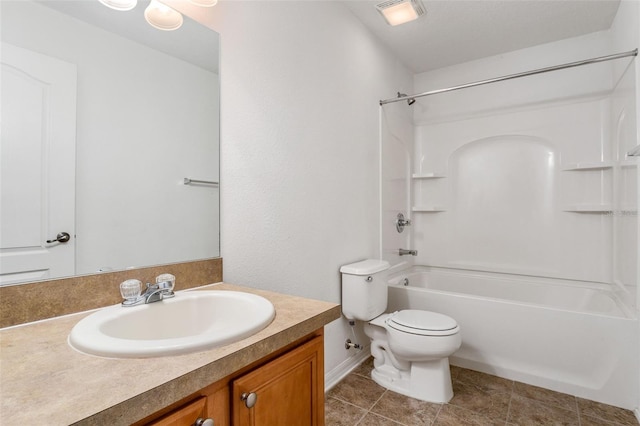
{"points": [[331, 378]]}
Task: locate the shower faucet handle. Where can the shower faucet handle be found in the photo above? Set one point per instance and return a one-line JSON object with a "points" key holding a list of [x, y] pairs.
{"points": [[404, 222], [401, 222], [405, 252]]}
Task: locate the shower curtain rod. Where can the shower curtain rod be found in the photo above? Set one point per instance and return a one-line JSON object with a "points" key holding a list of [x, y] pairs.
{"points": [[512, 76]]}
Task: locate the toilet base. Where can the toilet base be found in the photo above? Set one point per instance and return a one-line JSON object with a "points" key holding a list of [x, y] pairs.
{"points": [[426, 380]]}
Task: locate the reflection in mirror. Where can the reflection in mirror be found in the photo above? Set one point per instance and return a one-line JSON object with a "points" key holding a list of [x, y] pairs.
{"points": [[103, 117]]}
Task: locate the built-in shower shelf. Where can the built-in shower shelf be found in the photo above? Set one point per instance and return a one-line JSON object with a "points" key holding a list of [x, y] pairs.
{"points": [[589, 208], [434, 175], [428, 209], [598, 165], [628, 209], [630, 162]]}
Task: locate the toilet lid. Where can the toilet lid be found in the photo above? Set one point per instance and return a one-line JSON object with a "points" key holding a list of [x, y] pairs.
{"points": [[423, 322]]}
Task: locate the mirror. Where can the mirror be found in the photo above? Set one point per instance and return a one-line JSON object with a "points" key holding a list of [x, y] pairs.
{"points": [[142, 113]]}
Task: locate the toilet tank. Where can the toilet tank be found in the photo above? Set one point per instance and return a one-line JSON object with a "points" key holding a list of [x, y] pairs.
{"points": [[364, 289]]}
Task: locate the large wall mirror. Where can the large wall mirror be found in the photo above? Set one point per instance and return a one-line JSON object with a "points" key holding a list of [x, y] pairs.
{"points": [[103, 118]]}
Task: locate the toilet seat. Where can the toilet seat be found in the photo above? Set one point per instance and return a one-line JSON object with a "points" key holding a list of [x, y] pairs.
{"points": [[424, 323]]}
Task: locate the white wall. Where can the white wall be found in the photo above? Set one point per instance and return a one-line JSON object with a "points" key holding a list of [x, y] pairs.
{"points": [[397, 133], [526, 107], [625, 35], [131, 206], [300, 87], [299, 140], [509, 206], [569, 111], [540, 88]]}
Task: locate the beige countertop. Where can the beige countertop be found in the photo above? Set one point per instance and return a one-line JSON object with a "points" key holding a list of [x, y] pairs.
{"points": [[44, 381]]}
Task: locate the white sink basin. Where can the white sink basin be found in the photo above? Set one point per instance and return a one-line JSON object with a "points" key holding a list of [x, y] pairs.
{"points": [[189, 322]]}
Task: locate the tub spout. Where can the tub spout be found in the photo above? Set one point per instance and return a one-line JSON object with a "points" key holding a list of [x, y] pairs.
{"points": [[404, 252]]}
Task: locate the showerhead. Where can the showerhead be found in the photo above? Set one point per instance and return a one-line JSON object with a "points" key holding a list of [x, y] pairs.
{"points": [[410, 101]]}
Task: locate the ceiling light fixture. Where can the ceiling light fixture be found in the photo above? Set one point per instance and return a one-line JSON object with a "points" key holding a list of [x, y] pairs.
{"points": [[204, 3], [397, 12], [120, 4], [157, 14], [162, 17]]}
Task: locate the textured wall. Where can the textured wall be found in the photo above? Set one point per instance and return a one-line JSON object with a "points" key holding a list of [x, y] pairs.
{"points": [[300, 85]]}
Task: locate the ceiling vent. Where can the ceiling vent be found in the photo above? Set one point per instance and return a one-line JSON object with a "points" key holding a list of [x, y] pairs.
{"points": [[397, 12]]}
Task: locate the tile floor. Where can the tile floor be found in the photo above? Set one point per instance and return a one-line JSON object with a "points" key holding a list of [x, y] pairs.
{"points": [[479, 399]]}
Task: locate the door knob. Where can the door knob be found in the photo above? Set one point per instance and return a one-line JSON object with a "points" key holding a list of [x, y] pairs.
{"points": [[249, 399], [203, 422], [62, 237]]}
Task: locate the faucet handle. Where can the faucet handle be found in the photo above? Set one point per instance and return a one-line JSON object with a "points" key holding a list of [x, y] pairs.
{"points": [[130, 291], [401, 222], [166, 278], [166, 282]]}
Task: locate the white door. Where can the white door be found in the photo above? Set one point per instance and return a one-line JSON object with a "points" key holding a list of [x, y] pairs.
{"points": [[37, 165]]}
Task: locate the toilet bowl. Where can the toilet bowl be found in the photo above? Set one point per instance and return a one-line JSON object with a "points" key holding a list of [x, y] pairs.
{"points": [[414, 361], [422, 335], [410, 347]]}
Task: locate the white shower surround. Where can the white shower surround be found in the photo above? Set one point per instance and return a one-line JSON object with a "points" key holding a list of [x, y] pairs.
{"points": [[526, 192], [568, 336], [510, 236]]}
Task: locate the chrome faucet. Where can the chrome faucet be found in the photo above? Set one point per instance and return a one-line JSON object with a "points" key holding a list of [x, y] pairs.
{"points": [[157, 292], [404, 252], [130, 291]]}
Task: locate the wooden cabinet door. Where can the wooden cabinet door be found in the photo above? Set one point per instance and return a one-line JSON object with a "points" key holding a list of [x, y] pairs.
{"points": [[185, 415], [289, 391]]}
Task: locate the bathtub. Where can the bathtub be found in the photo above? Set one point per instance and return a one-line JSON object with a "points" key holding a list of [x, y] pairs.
{"points": [[569, 336]]}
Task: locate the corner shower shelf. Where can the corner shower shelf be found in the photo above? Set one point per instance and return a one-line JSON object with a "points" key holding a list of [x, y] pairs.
{"points": [[589, 208], [428, 209], [599, 165], [628, 209], [629, 163], [434, 175]]}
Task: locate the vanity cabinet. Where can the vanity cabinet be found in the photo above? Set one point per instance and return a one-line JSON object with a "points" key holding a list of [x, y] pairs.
{"points": [[286, 391], [186, 415], [285, 388]]}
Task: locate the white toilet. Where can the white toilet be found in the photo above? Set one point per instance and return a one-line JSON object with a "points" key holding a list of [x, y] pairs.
{"points": [[411, 348]]}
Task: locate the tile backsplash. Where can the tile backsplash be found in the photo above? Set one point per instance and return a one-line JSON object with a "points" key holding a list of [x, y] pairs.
{"points": [[47, 299]]}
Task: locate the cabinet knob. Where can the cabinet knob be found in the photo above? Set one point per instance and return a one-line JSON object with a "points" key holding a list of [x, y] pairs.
{"points": [[249, 399], [203, 422]]}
